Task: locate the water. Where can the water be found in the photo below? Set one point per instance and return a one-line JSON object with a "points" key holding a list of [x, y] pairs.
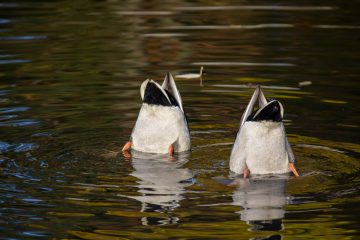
{"points": [[69, 96]]}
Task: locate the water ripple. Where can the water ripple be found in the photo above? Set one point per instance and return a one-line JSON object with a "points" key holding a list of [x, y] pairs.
{"points": [[214, 145], [320, 147], [14, 61], [24, 147], [13, 109], [24, 176], [22, 38], [8, 5], [41, 134], [4, 146], [4, 21], [336, 26], [7, 55], [19, 123], [19, 147], [254, 7], [54, 174], [247, 64], [254, 86], [32, 200], [212, 27], [10, 188], [220, 91], [35, 234], [165, 35], [4, 92], [194, 132], [143, 13]]}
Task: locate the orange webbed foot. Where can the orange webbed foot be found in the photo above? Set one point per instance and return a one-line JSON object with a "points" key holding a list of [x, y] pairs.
{"points": [[293, 169], [127, 146], [246, 172], [171, 150]]}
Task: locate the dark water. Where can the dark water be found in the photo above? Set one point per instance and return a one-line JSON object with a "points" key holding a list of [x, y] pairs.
{"points": [[70, 73]]}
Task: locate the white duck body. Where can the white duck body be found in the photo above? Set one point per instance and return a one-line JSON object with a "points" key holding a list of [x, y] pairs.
{"points": [[161, 121], [157, 127], [261, 145]]}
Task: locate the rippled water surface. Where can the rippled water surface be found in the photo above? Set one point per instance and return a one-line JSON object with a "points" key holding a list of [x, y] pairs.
{"points": [[70, 73]]}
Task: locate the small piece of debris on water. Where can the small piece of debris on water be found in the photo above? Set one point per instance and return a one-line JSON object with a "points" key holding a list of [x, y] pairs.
{"points": [[305, 83]]}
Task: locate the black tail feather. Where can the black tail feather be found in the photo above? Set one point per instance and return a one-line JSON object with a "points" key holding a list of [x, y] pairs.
{"points": [[153, 95]]}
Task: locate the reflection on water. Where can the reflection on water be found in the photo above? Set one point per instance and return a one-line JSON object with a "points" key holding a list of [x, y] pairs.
{"points": [[162, 183], [70, 73], [262, 200]]}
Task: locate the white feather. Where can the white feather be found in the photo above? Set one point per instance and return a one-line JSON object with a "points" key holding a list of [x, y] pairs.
{"points": [[143, 87], [157, 127], [259, 96], [261, 146], [169, 85]]}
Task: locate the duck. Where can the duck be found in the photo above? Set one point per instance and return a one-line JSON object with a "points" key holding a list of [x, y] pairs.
{"points": [[161, 126], [261, 145]]}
